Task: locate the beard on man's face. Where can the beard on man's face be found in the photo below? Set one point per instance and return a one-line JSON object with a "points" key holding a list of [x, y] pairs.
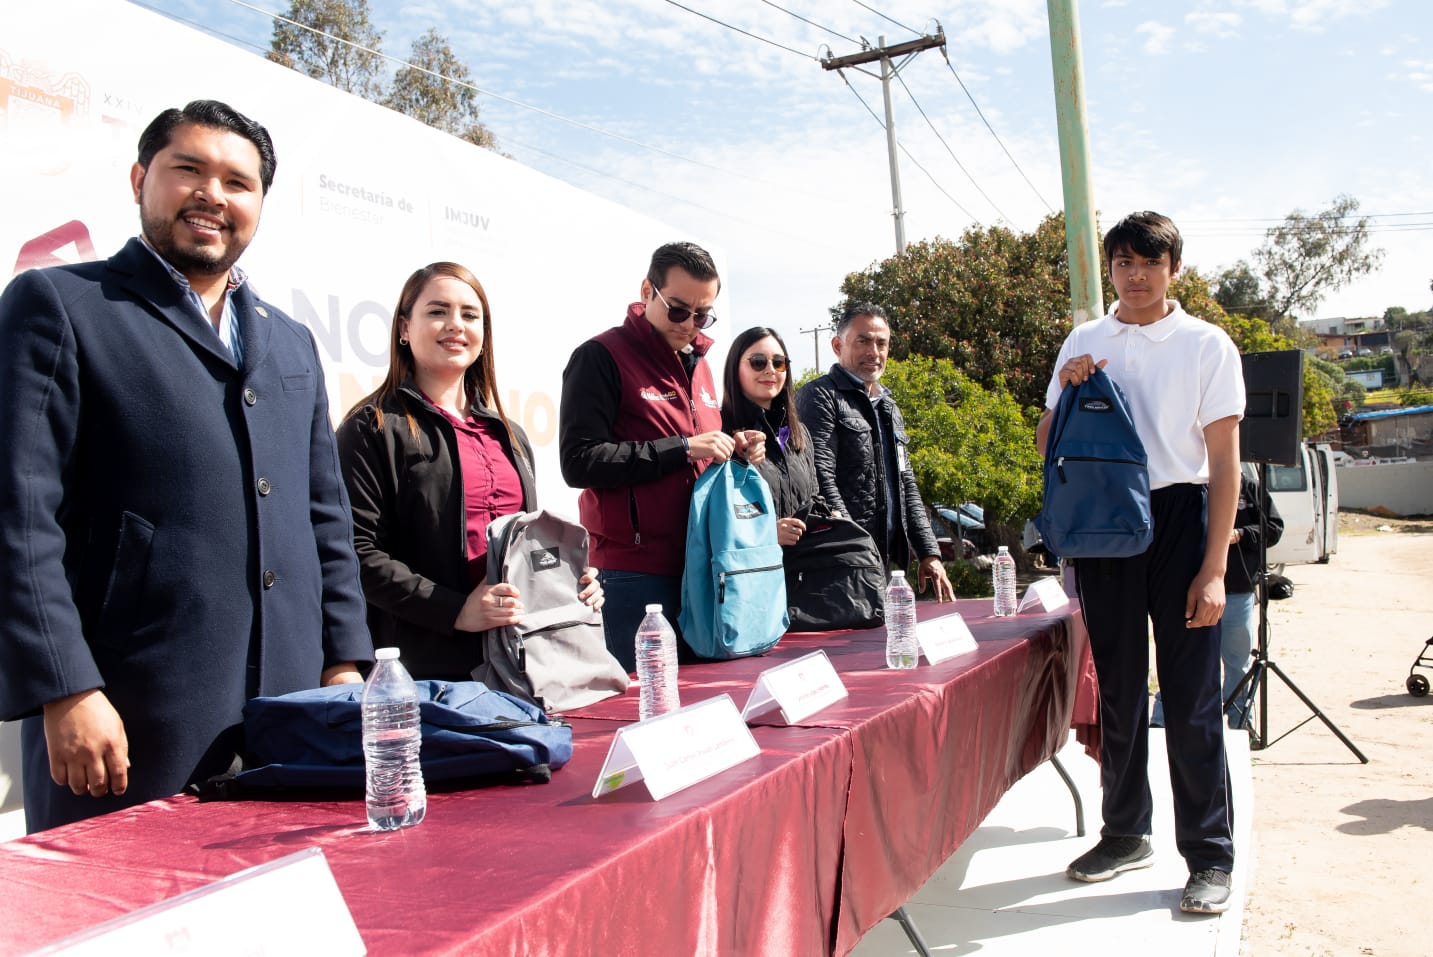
{"points": [[207, 260]]}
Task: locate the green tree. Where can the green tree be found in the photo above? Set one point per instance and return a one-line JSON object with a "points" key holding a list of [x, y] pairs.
{"points": [[435, 88], [969, 443], [1239, 289], [1307, 257], [333, 41], [1324, 383], [996, 303]]}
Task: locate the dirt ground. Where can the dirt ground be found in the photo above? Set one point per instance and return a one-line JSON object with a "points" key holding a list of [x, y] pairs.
{"points": [[1343, 850]]}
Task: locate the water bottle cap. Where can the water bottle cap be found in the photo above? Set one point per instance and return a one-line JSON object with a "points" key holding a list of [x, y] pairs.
{"points": [[651, 609], [1004, 550], [897, 574], [385, 654]]}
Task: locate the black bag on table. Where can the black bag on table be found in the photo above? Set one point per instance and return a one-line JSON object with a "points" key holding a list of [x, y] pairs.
{"points": [[835, 578]]}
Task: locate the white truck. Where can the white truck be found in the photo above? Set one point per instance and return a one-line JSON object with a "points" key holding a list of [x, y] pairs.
{"points": [[1306, 496]]}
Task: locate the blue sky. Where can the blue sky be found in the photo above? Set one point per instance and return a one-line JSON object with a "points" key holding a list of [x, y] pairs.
{"points": [[1225, 114]]}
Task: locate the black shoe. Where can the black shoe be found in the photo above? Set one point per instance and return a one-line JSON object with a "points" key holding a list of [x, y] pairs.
{"points": [[1113, 855], [1206, 893]]}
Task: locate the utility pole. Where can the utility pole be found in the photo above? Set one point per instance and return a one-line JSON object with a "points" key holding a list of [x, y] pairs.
{"points": [[1082, 238], [816, 343], [885, 55]]}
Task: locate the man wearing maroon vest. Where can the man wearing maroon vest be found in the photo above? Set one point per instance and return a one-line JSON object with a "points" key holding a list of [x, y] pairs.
{"points": [[640, 420]]}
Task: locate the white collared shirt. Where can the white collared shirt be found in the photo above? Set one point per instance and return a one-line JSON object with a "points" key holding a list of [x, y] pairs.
{"points": [[1180, 374]]}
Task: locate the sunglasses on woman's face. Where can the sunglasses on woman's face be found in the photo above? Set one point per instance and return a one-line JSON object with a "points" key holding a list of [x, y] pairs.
{"points": [[758, 362]]}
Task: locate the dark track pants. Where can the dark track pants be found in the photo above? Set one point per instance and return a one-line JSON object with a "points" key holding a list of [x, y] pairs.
{"points": [[1119, 596]]}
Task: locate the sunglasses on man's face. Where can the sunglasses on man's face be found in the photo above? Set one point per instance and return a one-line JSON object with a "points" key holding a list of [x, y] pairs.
{"points": [[758, 362], [677, 315]]}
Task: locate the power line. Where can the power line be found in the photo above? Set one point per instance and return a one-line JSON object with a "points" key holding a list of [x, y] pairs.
{"points": [[943, 142], [884, 17], [726, 214], [745, 33], [980, 114], [1280, 219], [882, 124], [537, 109], [813, 23]]}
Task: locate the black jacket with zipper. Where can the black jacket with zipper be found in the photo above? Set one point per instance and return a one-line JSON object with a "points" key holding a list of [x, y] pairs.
{"points": [[410, 528]]}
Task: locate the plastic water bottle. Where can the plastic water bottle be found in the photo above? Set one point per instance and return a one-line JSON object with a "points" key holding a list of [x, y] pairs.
{"points": [[902, 651], [392, 738], [1006, 601], [656, 665]]}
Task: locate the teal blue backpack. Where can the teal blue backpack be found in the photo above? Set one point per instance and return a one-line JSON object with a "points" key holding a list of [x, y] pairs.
{"points": [[733, 587]]}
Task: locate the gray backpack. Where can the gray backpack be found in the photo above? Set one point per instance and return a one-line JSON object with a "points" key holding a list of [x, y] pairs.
{"points": [[557, 657]]}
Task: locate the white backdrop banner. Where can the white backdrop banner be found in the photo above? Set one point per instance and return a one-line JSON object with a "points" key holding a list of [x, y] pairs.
{"points": [[362, 197]]}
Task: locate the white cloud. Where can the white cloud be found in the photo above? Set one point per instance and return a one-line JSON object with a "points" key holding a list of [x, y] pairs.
{"points": [[1315, 15], [1419, 74], [1218, 23], [1157, 36]]}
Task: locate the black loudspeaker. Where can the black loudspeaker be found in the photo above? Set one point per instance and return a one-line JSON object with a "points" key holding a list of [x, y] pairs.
{"points": [[1272, 429]]}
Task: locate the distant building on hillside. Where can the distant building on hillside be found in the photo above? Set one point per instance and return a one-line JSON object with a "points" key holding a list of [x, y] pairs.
{"points": [[1391, 432]]}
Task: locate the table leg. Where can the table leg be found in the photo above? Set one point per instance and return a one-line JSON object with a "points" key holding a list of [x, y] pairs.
{"points": [[912, 931], [1074, 793]]}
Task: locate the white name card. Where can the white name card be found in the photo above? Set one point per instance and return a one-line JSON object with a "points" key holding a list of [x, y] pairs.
{"points": [[676, 750], [799, 688], [290, 907], [1046, 594], [944, 637]]}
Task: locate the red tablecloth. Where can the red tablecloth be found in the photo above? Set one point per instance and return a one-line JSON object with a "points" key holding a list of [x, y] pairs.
{"points": [[798, 851]]}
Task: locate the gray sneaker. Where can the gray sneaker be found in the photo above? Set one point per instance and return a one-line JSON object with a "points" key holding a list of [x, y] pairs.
{"points": [[1113, 855], [1206, 893]]}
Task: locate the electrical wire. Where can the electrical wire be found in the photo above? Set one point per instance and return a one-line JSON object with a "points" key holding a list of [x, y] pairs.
{"points": [[813, 23], [943, 142], [537, 109], [725, 214], [882, 123], [746, 33], [981, 114], [884, 17]]}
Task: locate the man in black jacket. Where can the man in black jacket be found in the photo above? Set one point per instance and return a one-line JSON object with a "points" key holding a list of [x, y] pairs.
{"points": [[863, 466]]}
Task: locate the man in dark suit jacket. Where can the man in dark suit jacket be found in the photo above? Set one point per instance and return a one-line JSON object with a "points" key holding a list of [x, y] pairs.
{"points": [[174, 532]]}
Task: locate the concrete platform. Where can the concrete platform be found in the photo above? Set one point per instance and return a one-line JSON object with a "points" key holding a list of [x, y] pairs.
{"points": [[1004, 892]]}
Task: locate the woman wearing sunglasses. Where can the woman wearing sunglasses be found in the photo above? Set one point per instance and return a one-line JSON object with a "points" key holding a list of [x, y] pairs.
{"points": [[757, 394], [430, 460]]}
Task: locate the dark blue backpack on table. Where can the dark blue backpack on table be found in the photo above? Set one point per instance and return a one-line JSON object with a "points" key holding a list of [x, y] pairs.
{"points": [[1096, 476], [313, 739], [733, 586]]}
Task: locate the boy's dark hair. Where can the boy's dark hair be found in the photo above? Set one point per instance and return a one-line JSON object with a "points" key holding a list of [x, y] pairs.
{"points": [[859, 309], [216, 115], [1145, 233], [693, 259]]}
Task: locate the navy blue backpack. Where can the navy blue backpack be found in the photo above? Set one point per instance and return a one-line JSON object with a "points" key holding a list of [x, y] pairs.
{"points": [[314, 739], [1096, 476]]}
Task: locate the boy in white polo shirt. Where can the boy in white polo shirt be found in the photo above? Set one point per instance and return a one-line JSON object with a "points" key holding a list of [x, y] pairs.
{"points": [[1185, 386]]}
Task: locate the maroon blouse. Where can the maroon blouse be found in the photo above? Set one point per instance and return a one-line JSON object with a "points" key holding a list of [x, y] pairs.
{"points": [[491, 487]]}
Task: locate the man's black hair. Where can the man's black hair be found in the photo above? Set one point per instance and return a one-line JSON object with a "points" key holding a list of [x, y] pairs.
{"points": [[693, 259], [859, 309], [1145, 233], [215, 115]]}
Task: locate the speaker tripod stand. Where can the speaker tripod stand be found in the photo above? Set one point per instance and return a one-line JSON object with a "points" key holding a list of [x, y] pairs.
{"points": [[1256, 680]]}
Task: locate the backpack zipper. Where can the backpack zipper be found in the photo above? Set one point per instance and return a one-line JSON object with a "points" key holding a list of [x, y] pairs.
{"points": [[1060, 462], [721, 577]]}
